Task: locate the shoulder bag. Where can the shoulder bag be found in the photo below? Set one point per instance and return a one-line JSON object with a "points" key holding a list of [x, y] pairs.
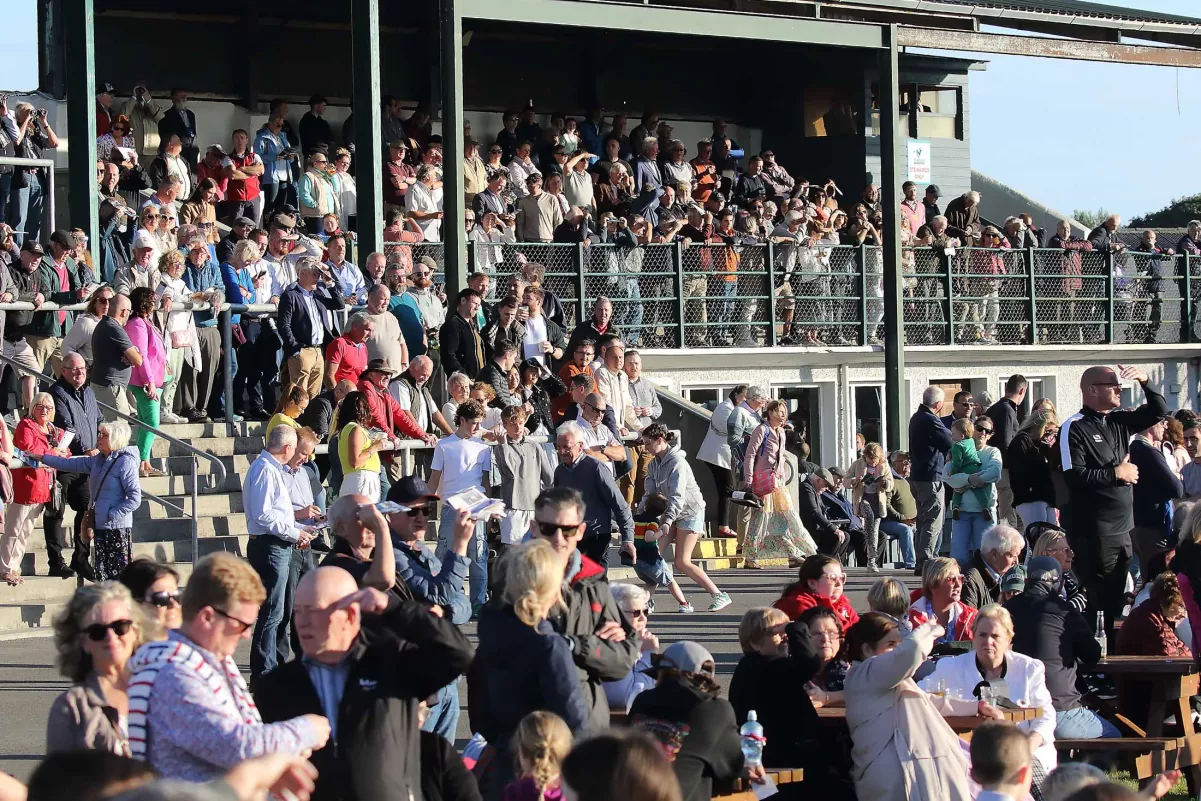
{"points": [[763, 480], [88, 529]]}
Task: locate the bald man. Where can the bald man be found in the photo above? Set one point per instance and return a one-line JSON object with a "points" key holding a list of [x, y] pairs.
{"points": [[369, 688], [1094, 449]]}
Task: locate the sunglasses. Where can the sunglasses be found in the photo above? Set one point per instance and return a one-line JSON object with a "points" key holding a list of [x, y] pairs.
{"points": [[635, 612], [98, 632], [496, 151], [164, 599], [418, 510], [242, 624], [553, 529], [983, 430]]}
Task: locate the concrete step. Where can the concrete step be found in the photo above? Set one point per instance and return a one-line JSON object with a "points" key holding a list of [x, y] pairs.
{"points": [[722, 563], [218, 446], [713, 547], [221, 504], [35, 562], [181, 484], [192, 431]]}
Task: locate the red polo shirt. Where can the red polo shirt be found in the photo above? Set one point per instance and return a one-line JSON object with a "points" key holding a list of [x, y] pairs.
{"points": [[348, 358]]}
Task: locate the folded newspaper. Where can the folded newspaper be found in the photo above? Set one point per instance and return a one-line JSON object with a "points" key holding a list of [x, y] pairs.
{"points": [[477, 503]]}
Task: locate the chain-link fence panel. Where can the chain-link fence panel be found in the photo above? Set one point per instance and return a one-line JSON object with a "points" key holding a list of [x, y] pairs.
{"points": [[1193, 310], [641, 283], [990, 293], [727, 296], [923, 276], [819, 298], [1070, 288], [553, 266], [1147, 294]]}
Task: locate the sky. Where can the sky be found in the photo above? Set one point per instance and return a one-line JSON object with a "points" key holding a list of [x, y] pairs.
{"points": [[1071, 134]]}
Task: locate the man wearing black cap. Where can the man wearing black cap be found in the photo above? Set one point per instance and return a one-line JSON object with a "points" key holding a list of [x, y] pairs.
{"points": [[314, 130], [239, 230], [1047, 628], [930, 201], [104, 108]]}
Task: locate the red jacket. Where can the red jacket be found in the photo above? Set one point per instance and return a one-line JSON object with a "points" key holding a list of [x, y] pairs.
{"points": [[386, 413], [793, 605], [964, 622], [32, 484]]}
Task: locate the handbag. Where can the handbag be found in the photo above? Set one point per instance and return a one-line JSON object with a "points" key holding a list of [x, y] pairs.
{"points": [[763, 480], [88, 528], [183, 339]]}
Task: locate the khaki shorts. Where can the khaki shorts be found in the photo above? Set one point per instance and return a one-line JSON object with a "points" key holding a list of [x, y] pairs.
{"points": [[21, 353]]}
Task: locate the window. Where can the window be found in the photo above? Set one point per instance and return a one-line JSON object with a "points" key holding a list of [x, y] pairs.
{"points": [[804, 413], [867, 406], [927, 112], [1037, 388], [937, 113], [707, 397]]}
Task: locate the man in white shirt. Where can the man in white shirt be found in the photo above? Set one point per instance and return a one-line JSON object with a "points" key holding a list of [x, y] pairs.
{"points": [[614, 385], [520, 169], [284, 249], [274, 531], [463, 462], [429, 303], [599, 442]]}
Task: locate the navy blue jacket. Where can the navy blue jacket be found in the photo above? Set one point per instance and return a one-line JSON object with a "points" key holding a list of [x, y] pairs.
{"points": [[518, 670], [929, 441], [602, 502], [76, 410], [1157, 487], [295, 325]]}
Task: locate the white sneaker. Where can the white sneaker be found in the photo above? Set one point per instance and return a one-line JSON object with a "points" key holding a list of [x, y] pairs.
{"points": [[720, 601], [686, 608], [170, 418]]}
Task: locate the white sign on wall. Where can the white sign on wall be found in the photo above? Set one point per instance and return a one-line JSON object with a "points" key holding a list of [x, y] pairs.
{"points": [[919, 162]]}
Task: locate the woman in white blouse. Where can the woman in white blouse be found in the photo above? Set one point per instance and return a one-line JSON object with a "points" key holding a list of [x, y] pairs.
{"points": [[344, 185], [183, 344], [1016, 676], [715, 452]]}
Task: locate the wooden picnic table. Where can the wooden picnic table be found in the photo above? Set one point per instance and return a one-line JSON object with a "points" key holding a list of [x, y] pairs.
{"points": [[742, 791], [962, 725], [1174, 681]]}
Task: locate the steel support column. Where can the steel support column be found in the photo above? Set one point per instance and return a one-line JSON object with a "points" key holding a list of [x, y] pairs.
{"points": [[81, 123], [368, 149], [454, 238], [892, 142]]}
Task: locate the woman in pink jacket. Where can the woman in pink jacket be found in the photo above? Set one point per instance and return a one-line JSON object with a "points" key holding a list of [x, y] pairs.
{"points": [[146, 379]]}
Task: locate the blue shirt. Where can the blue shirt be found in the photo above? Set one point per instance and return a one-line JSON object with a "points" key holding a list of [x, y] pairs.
{"points": [[405, 309], [201, 279], [415, 565], [300, 489], [310, 304], [330, 683], [266, 501]]}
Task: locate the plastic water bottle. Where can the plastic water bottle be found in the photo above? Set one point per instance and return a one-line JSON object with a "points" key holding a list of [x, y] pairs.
{"points": [[753, 740], [1102, 640]]}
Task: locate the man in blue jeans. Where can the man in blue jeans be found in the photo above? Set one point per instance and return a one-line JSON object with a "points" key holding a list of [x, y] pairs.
{"points": [[274, 531], [437, 580], [902, 508]]}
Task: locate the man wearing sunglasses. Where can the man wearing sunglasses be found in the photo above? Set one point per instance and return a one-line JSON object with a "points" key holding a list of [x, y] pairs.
{"points": [[1094, 446], [195, 718], [602, 640]]}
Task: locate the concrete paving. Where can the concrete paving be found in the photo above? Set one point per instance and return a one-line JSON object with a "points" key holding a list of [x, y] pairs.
{"points": [[29, 681]]}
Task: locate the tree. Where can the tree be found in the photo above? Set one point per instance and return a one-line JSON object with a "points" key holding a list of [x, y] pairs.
{"points": [[1091, 219], [1176, 214]]}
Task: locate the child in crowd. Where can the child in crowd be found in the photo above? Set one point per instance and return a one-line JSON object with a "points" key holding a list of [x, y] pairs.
{"points": [[871, 480], [649, 564], [542, 742], [965, 459], [1001, 762], [520, 468], [889, 596]]}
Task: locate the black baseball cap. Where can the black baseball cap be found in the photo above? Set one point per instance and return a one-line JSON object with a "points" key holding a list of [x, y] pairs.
{"points": [[934, 190], [409, 490]]}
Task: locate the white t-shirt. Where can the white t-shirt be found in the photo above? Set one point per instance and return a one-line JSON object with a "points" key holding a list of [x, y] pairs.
{"points": [[600, 436], [463, 463]]}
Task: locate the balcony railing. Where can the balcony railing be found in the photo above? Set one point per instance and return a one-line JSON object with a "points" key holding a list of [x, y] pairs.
{"points": [[668, 296]]}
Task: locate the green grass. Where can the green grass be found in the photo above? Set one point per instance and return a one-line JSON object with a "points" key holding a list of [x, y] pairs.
{"points": [[1123, 777]]}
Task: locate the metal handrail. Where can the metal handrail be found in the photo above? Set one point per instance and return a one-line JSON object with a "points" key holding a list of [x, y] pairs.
{"points": [[220, 473]]}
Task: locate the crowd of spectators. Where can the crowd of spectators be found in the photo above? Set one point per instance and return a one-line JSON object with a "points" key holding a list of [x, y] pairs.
{"points": [[355, 663]]}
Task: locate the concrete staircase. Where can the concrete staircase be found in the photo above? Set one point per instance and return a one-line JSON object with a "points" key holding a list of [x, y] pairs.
{"points": [[158, 531]]}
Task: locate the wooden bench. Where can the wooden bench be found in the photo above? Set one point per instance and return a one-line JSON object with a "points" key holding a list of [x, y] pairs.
{"points": [[741, 790], [1145, 756]]}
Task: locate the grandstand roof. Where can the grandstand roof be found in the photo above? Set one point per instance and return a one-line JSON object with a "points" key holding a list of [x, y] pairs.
{"points": [[1078, 8]]}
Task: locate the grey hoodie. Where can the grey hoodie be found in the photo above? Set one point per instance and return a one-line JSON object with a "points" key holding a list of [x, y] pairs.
{"points": [[670, 475]]}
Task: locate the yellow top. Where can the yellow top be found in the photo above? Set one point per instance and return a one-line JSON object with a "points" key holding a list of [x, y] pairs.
{"points": [[280, 419], [371, 465]]}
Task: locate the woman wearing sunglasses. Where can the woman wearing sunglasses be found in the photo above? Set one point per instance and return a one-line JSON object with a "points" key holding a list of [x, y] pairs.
{"points": [[95, 635], [155, 586]]}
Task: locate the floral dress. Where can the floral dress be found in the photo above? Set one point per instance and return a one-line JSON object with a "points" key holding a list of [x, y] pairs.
{"points": [[776, 531]]}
